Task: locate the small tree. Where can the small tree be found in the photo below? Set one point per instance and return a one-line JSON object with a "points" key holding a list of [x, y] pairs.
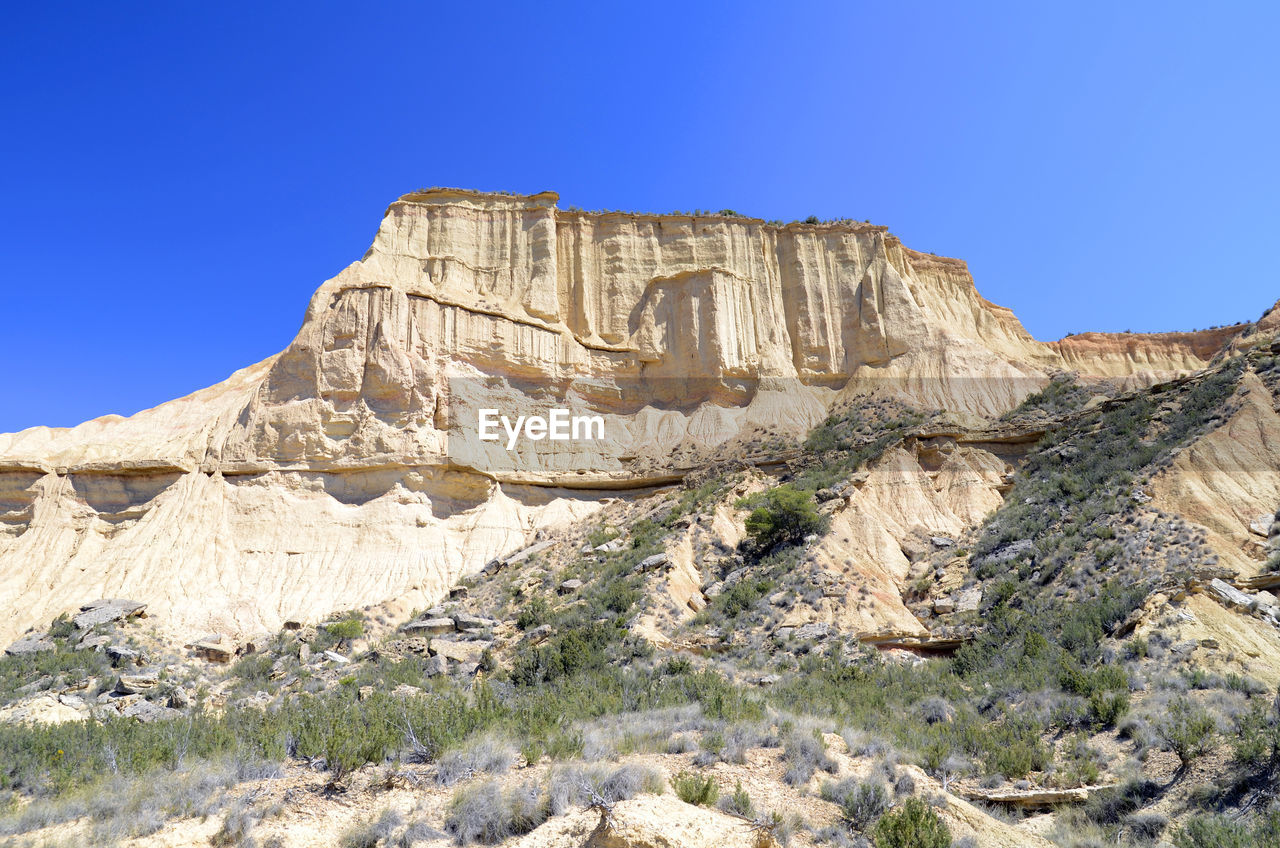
{"points": [[1187, 730], [785, 517]]}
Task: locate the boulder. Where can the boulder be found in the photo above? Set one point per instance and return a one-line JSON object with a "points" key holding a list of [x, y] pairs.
{"points": [[815, 630], [942, 542], [468, 622], [612, 546], [436, 665], [538, 633], [94, 643], [334, 656], [43, 683], [649, 563], [121, 655], [255, 643], [570, 586], [135, 684], [34, 644], [969, 599], [44, 709], [459, 652], [214, 652], [429, 626], [943, 606], [105, 611], [1228, 593], [145, 712]]}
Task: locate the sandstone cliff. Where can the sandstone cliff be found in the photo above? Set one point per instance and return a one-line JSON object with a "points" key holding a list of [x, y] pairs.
{"points": [[346, 469]]}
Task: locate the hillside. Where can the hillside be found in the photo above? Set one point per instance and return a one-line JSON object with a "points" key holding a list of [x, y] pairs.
{"points": [[694, 337], [857, 561]]}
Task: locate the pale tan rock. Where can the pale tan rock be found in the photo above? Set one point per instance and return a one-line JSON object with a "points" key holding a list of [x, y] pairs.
{"points": [[1223, 481], [342, 472], [1247, 645], [214, 652], [42, 709], [460, 652]]}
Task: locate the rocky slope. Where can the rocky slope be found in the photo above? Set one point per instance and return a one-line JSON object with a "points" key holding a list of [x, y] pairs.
{"points": [[1029, 618], [346, 470]]}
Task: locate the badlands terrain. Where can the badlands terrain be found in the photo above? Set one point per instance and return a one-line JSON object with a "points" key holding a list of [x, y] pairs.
{"points": [[857, 562]]}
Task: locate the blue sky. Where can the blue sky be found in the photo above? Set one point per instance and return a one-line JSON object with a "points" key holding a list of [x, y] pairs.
{"points": [[178, 178]]}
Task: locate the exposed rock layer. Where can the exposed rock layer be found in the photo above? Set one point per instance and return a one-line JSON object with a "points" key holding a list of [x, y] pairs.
{"points": [[346, 470]]}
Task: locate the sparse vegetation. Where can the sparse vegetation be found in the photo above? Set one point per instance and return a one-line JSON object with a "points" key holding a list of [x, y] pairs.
{"points": [[488, 813], [861, 803], [695, 789], [913, 825], [1187, 730], [1048, 676], [1061, 396]]}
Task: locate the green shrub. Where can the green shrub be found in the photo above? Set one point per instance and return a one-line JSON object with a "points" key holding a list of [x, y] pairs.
{"points": [[1210, 831], [693, 789], [861, 803], [1257, 743], [338, 632], [1107, 708], [1018, 757], [533, 612], [739, 802], [913, 825], [741, 596], [254, 670], [784, 517], [1187, 730]]}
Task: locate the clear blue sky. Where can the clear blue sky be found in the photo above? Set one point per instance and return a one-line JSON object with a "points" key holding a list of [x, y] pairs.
{"points": [[179, 177]]}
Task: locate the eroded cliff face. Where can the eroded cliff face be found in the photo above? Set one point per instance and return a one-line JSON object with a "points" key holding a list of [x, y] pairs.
{"points": [[346, 470]]}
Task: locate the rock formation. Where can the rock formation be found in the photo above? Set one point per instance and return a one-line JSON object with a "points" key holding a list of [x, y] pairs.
{"points": [[347, 470]]}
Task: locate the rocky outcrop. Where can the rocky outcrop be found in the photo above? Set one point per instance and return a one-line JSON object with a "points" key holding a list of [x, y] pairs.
{"points": [[1225, 479], [348, 470]]}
